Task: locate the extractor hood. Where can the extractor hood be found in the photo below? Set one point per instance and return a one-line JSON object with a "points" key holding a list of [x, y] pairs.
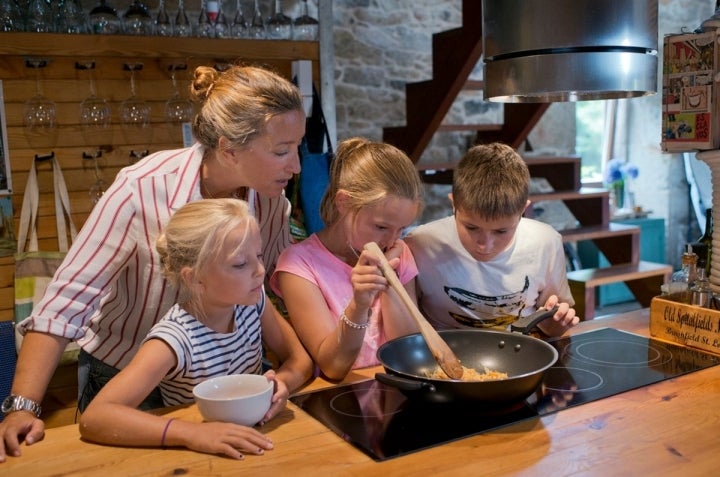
{"points": [[569, 50]]}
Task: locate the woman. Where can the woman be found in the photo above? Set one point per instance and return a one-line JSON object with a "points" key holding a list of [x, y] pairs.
{"points": [[110, 290]]}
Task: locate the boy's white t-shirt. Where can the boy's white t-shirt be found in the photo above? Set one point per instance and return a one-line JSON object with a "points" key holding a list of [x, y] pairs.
{"points": [[457, 291]]}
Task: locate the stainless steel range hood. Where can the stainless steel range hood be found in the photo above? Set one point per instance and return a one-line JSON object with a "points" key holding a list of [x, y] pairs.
{"points": [[569, 50]]}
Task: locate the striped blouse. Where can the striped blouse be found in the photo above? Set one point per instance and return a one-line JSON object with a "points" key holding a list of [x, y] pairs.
{"points": [[203, 353], [109, 290]]}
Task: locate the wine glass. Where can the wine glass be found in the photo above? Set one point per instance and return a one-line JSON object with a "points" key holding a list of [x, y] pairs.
{"points": [[135, 115], [163, 25], [279, 25], [221, 29], [305, 27], [178, 109], [39, 18], [204, 27], [40, 111], [137, 19], [97, 189], [183, 27], [11, 18], [71, 17], [256, 30], [94, 114], [103, 19], [239, 28]]}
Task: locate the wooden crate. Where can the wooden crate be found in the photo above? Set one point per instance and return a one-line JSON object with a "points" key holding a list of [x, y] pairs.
{"points": [[689, 325]]}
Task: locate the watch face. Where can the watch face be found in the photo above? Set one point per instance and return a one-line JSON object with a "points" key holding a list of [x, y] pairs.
{"points": [[7, 404]]}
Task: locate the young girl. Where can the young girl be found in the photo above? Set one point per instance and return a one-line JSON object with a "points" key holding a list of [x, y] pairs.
{"points": [[211, 250], [339, 302]]}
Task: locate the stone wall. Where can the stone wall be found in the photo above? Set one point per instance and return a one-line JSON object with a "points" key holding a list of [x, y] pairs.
{"points": [[381, 46]]}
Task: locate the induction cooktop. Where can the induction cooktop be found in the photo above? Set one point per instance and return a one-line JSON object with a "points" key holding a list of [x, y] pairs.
{"points": [[383, 423]]}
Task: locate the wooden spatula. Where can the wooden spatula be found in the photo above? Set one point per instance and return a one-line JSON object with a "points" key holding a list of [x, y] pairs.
{"points": [[438, 347]]}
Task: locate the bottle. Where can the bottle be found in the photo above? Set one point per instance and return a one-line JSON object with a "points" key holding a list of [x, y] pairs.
{"points": [[683, 279], [701, 291], [706, 241]]}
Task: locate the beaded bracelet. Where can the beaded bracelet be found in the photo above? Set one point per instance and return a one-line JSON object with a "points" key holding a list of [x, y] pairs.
{"points": [[352, 324], [164, 434]]}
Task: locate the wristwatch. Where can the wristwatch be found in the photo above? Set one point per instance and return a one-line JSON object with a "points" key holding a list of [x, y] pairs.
{"points": [[14, 403]]}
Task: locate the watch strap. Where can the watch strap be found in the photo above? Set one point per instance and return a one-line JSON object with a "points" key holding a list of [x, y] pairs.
{"points": [[15, 402]]}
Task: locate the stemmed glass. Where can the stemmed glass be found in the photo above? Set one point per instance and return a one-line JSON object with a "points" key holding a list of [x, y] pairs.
{"points": [[104, 19], [135, 113], [256, 30], [279, 26], [94, 113], [40, 111], [98, 188], [137, 19], [204, 27], [71, 17], [305, 27], [10, 16], [163, 26], [183, 27], [239, 28], [39, 17], [177, 109], [220, 24]]}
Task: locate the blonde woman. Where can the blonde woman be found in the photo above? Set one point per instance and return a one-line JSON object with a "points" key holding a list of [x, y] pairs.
{"points": [[338, 300], [211, 252]]}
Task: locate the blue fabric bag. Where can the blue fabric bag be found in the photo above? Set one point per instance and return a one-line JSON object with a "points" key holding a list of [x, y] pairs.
{"points": [[316, 154]]}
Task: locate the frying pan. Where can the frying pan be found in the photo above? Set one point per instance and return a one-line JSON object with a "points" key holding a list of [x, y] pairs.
{"points": [[408, 362]]}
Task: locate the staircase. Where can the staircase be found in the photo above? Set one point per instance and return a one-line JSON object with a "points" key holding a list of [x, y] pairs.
{"points": [[455, 54]]}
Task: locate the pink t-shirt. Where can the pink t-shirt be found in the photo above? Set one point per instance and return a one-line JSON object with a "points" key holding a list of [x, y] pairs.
{"points": [[310, 260]]}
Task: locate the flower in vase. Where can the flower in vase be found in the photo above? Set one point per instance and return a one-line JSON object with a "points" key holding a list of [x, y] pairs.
{"points": [[617, 176]]}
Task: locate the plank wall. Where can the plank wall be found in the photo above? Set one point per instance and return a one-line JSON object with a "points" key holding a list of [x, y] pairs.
{"points": [[67, 85]]}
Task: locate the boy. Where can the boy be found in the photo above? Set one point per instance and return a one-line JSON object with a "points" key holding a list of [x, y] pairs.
{"points": [[486, 265]]}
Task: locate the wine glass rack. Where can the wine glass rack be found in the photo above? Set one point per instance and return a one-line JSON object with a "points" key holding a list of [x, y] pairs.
{"points": [[68, 87]]}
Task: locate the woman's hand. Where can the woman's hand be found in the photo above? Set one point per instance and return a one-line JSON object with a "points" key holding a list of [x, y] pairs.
{"points": [[279, 397], [17, 426], [224, 438]]}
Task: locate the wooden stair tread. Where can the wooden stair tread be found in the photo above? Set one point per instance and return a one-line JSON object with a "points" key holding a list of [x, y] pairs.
{"points": [[582, 193], [470, 127], [618, 273], [599, 231]]}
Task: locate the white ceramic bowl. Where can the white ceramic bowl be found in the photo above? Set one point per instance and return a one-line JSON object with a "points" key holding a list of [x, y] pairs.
{"points": [[240, 398]]}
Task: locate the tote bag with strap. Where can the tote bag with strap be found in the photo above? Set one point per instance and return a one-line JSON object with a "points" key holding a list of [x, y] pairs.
{"points": [[316, 154], [34, 268]]}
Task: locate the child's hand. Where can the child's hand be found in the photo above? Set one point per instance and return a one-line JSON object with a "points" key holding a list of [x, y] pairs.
{"points": [[563, 318], [225, 438], [279, 397], [367, 280]]}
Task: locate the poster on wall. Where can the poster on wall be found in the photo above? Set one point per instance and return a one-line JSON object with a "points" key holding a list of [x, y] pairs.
{"points": [[689, 120], [5, 181]]}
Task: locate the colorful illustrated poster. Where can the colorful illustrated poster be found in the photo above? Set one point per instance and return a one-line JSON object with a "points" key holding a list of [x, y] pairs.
{"points": [[688, 120]]}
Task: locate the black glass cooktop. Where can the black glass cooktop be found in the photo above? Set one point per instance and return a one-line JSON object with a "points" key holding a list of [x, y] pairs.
{"points": [[384, 423]]}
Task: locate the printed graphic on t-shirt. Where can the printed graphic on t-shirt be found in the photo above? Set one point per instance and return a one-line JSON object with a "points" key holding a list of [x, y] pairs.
{"points": [[483, 311]]}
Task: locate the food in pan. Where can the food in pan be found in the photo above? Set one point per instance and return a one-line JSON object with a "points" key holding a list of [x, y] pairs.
{"points": [[469, 374]]}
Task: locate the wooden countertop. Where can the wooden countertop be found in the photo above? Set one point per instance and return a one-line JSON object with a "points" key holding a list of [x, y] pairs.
{"points": [[669, 428]]}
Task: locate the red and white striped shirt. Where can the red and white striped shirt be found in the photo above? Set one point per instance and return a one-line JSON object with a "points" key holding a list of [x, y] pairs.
{"points": [[109, 290]]}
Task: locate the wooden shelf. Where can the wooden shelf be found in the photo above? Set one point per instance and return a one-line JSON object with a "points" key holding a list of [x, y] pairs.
{"points": [[83, 46]]}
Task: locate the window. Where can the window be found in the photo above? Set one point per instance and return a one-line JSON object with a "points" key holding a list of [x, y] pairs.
{"points": [[590, 121]]}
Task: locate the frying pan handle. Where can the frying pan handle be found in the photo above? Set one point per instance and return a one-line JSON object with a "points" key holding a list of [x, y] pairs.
{"points": [[526, 324], [404, 384]]}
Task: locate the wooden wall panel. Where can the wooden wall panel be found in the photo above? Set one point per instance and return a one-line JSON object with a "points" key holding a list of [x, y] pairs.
{"points": [[67, 85]]}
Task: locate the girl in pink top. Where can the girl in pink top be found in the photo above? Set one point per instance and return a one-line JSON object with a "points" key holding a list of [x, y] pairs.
{"points": [[338, 300]]}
